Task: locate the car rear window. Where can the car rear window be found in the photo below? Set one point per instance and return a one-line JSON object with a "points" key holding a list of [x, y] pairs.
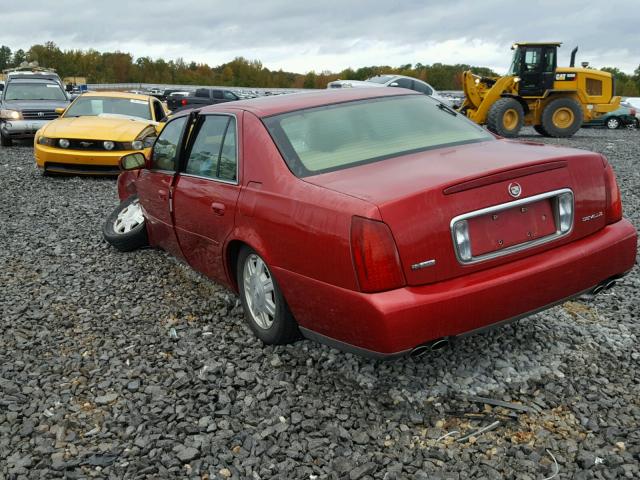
{"points": [[334, 137]]}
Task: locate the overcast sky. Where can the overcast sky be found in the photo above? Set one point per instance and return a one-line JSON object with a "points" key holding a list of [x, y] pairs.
{"points": [[331, 35]]}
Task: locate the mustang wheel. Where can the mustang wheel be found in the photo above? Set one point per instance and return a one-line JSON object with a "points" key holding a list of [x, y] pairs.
{"points": [[266, 310], [125, 228]]}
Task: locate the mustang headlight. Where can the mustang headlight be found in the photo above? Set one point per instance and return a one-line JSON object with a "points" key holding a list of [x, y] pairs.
{"points": [[137, 145], [10, 114], [64, 143], [108, 145], [49, 142]]}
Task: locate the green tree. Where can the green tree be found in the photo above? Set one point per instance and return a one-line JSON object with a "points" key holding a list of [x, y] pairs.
{"points": [[5, 57]]}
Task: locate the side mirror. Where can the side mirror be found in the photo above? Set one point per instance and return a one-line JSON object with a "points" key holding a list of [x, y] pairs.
{"points": [[133, 161], [60, 110], [394, 84]]}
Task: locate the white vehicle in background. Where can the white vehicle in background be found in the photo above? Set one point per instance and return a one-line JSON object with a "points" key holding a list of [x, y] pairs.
{"points": [[400, 81], [635, 103]]}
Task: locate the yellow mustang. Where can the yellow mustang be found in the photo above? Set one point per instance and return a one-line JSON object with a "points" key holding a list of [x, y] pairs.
{"points": [[96, 130]]}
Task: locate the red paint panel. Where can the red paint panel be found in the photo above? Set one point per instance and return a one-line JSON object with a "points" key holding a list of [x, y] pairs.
{"points": [[499, 230]]}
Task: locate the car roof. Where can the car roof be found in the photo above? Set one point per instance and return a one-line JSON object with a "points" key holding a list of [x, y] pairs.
{"points": [[132, 96], [277, 104]]}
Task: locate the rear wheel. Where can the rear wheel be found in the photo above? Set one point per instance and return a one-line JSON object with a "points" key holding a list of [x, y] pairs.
{"points": [[5, 141], [266, 310], [613, 122], [506, 117], [126, 227], [562, 117]]}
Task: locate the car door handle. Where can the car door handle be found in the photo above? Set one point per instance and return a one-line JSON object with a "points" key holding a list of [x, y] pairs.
{"points": [[218, 208], [163, 194]]}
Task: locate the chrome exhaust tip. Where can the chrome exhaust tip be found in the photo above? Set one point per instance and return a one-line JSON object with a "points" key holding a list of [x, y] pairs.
{"points": [[433, 346], [609, 284]]}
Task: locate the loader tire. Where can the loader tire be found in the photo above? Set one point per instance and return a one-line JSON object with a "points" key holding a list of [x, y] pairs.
{"points": [[541, 131], [562, 117], [506, 117]]}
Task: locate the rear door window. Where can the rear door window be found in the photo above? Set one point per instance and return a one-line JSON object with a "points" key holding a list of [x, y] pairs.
{"points": [[213, 153]]}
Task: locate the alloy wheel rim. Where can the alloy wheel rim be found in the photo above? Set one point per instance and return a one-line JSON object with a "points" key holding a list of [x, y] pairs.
{"points": [[612, 123], [259, 291], [128, 218], [563, 118]]}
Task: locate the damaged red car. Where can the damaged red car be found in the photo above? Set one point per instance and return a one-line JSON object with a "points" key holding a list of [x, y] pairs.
{"points": [[378, 222]]}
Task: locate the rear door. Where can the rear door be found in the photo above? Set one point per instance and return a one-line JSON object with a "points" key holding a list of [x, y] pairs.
{"points": [[155, 185], [206, 193]]}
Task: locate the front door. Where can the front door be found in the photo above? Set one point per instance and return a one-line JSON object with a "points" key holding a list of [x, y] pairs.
{"points": [[206, 193], [537, 70], [155, 186]]}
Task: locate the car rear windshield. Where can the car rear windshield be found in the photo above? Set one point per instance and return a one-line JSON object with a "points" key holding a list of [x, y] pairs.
{"points": [[94, 106], [344, 135], [34, 91]]}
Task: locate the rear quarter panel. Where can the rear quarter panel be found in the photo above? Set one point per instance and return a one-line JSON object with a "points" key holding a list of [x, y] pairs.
{"points": [[294, 225]]}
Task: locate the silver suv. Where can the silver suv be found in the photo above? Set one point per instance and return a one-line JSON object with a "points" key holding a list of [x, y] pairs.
{"points": [[27, 102]]}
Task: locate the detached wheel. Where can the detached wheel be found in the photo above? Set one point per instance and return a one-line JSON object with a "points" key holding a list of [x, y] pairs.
{"points": [[126, 228], [5, 141], [266, 310], [541, 131], [506, 117], [613, 123], [562, 117]]}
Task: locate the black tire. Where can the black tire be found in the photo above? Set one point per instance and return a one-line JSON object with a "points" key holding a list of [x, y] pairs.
{"points": [[613, 123], [5, 141], [541, 131], [283, 328], [119, 237], [565, 105], [506, 117]]}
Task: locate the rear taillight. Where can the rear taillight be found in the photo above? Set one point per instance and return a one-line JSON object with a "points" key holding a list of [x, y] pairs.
{"points": [[183, 101], [375, 256], [613, 212], [633, 112]]}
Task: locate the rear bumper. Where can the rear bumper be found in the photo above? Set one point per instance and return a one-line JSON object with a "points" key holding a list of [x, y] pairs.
{"points": [[83, 162], [394, 322], [21, 128]]}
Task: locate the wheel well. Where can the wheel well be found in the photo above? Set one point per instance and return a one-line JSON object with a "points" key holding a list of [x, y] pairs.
{"points": [[233, 251]]}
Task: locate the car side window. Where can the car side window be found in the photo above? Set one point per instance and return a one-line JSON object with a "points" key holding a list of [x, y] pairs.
{"points": [[165, 150], [213, 154], [404, 83], [229, 95], [217, 94]]}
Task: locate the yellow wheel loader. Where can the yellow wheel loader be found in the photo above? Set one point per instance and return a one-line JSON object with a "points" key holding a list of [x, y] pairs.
{"points": [[536, 92]]}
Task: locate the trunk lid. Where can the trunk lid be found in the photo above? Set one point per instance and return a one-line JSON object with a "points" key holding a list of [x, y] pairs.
{"points": [[419, 195]]}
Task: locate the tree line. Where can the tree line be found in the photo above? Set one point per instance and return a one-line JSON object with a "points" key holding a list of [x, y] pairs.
{"points": [[121, 67]]}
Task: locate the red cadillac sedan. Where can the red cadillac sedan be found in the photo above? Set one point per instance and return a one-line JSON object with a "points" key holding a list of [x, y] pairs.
{"points": [[378, 222]]}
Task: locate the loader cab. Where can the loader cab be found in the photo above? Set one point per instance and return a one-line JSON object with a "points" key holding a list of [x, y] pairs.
{"points": [[535, 65]]}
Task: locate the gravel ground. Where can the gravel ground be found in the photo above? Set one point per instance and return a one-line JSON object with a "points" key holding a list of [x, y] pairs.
{"points": [[133, 366]]}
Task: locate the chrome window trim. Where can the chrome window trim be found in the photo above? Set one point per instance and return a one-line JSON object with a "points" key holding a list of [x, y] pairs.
{"points": [[214, 179], [508, 205]]}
